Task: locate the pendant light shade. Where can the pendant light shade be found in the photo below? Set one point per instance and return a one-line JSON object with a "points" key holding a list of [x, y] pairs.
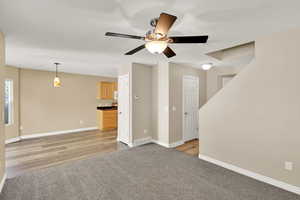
{"points": [[56, 81]]}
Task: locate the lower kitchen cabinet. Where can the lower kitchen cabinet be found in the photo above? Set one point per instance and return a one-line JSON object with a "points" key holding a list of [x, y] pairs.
{"points": [[107, 119]]}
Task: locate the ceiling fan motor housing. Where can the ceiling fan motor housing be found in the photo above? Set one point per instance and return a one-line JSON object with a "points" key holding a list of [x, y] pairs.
{"points": [[151, 35]]}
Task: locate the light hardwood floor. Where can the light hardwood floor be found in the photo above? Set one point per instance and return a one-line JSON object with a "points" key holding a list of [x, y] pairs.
{"points": [[49, 151], [190, 147], [44, 152]]}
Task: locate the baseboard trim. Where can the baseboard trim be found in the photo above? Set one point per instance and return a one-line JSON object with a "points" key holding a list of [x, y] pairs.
{"points": [[12, 140], [161, 143], [259, 177], [176, 144], [141, 141], [38, 135], [2, 182], [149, 140], [172, 145]]}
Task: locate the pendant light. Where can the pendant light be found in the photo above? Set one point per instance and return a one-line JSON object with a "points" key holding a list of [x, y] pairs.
{"points": [[56, 81]]}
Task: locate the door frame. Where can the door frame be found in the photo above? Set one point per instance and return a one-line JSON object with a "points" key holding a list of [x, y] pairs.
{"points": [[130, 140], [198, 103]]}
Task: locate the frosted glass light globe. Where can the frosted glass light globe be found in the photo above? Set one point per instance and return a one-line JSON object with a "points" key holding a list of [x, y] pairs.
{"points": [[156, 46]]}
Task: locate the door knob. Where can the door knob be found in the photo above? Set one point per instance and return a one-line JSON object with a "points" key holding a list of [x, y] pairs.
{"points": [[120, 113], [185, 113]]}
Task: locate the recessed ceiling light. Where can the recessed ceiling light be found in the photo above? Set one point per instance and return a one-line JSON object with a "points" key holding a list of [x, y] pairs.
{"points": [[207, 66]]}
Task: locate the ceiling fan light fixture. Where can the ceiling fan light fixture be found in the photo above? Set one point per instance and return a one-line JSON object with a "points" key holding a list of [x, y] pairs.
{"points": [[157, 39], [207, 66], [156, 46]]}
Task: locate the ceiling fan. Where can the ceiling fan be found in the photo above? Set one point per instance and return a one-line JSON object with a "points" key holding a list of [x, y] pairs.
{"points": [[157, 40]]}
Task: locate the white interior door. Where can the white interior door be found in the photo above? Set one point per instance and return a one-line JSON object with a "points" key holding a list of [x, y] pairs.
{"points": [[123, 109], [190, 107]]}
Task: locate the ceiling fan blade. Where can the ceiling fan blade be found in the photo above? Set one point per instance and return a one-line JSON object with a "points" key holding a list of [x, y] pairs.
{"points": [[164, 23], [190, 39], [169, 52], [124, 36], [135, 50]]}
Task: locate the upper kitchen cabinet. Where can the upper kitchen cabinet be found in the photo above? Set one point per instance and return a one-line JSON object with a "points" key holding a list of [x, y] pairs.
{"points": [[106, 90], [115, 86]]}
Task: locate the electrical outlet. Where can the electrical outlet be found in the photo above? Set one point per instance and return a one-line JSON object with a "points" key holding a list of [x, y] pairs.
{"points": [[21, 128], [80, 122], [288, 165], [145, 131], [174, 108]]}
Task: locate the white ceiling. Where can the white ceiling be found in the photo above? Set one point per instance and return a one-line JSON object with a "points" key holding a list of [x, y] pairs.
{"points": [[40, 32]]}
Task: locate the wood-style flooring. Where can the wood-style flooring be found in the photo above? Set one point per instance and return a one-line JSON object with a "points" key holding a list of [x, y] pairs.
{"points": [[44, 152], [49, 151], [190, 147]]}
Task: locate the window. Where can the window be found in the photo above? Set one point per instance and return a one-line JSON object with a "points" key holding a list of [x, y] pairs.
{"points": [[8, 102]]}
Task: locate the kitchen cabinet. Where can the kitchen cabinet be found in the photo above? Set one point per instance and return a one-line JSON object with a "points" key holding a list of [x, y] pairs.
{"points": [[115, 86], [106, 90], [107, 119]]}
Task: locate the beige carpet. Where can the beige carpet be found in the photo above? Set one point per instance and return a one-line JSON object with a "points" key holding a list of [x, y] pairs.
{"points": [[148, 172]]}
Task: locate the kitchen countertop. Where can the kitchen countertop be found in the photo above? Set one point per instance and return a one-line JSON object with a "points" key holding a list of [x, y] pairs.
{"points": [[107, 108]]}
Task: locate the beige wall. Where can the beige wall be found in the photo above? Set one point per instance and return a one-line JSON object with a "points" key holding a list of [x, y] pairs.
{"points": [[167, 93], [230, 62], [253, 123], [44, 108], [140, 83], [12, 73], [214, 75], [141, 101], [155, 102], [163, 103], [177, 71], [236, 53], [2, 135]]}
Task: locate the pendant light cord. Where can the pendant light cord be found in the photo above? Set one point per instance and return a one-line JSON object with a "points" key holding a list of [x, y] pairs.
{"points": [[56, 64]]}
